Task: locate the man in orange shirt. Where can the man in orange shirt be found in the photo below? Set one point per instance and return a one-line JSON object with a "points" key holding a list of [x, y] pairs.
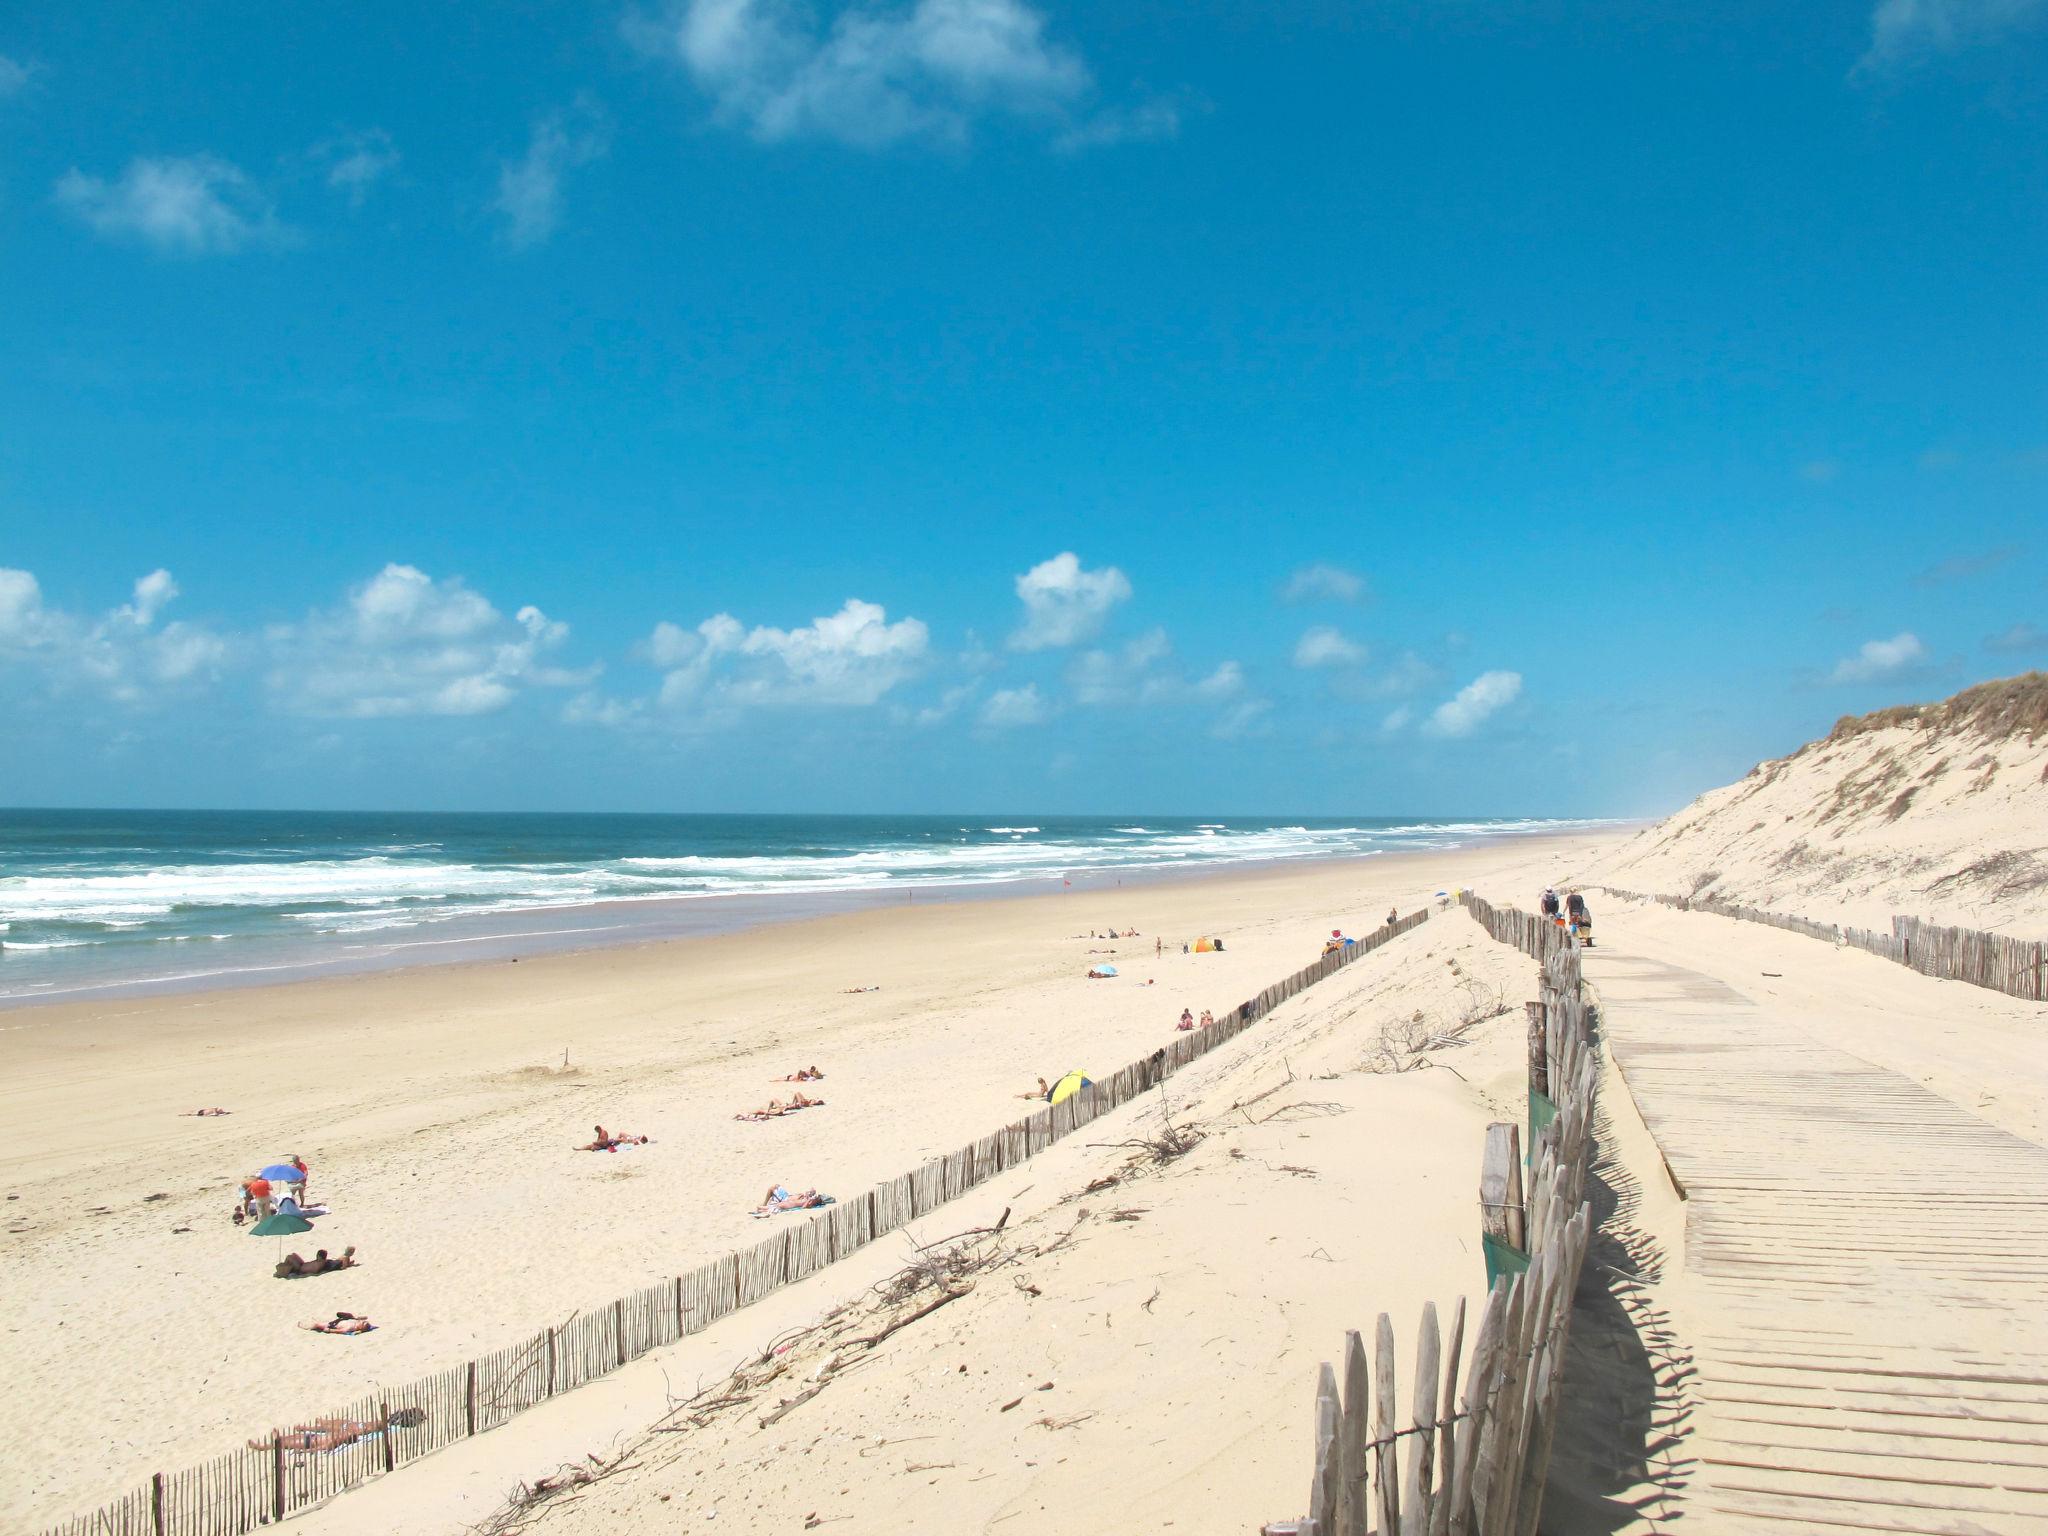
{"points": [[256, 1197]]}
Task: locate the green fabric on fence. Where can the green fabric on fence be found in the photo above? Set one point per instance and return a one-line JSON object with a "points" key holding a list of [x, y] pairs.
{"points": [[1501, 1259], [1542, 1110]]}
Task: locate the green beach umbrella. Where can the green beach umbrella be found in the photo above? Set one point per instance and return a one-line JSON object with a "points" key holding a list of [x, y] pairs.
{"points": [[281, 1225]]}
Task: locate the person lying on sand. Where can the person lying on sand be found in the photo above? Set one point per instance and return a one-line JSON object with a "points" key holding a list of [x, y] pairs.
{"points": [[344, 1322], [332, 1433], [776, 1107], [778, 1200], [607, 1142], [203, 1113], [804, 1074], [863, 989], [292, 1267]]}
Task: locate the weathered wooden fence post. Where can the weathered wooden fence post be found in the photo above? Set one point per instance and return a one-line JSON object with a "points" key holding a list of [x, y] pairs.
{"points": [[156, 1503], [469, 1399], [277, 1474], [1539, 1050], [1502, 1216], [1324, 1492]]}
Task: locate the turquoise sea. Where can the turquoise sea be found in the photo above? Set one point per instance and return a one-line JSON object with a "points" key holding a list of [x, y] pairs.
{"points": [[93, 902]]}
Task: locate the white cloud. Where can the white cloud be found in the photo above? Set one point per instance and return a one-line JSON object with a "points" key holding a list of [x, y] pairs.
{"points": [[13, 76], [121, 654], [1065, 604], [1469, 708], [530, 188], [152, 592], [850, 658], [1008, 707], [876, 73], [357, 162], [946, 706], [1903, 30], [1323, 583], [1146, 123], [2017, 638], [1879, 658], [1225, 682], [1245, 718], [1323, 646], [1396, 719], [406, 644], [194, 205]]}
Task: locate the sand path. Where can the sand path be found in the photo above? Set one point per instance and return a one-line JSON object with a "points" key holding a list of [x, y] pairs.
{"points": [[1864, 1265]]}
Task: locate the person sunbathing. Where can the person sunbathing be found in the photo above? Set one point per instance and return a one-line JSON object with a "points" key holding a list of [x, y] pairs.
{"points": [[1208, 1018], [204, 1113], [331, 1434], [779, 1199], [797, 1101], [803, 1075], [1043, 1092], [319, 1264], [344, 1322], [607, 1142], [1187, 1020]]}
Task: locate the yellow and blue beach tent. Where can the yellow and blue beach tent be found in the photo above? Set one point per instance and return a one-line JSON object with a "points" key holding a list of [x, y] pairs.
{"points": [[1067, 1087]]}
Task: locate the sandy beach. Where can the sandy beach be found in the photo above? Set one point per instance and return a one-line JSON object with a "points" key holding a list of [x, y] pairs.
{"points": [[438, 1109]]}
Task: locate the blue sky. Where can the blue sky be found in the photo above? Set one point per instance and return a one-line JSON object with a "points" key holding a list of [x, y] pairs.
{"points": [[971, 404]]}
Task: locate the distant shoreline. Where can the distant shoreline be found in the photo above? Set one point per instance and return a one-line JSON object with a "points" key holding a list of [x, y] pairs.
{"points": [[612, 923]]}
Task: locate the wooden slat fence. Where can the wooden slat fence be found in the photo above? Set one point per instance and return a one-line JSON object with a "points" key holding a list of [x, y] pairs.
{"points": [[261, 1486], [1996, 961], [1473, 1462]]}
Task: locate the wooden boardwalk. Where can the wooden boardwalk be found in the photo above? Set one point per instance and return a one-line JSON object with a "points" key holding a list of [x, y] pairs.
{"points": [[1866, 1273]]}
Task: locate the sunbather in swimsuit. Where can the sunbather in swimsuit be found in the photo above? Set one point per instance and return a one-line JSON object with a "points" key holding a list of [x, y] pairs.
{"points": [[344, 1322]]}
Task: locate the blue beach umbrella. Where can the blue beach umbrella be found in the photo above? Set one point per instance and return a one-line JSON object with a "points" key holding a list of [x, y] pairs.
{"points": [[282, 1173]]}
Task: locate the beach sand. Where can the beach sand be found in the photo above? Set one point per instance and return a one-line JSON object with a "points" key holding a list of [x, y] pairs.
{"points": [[438, 1116], [1139, 1351]]}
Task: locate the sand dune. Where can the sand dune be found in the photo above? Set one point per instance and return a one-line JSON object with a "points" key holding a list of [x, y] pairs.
{"points": [[1937, 811]]}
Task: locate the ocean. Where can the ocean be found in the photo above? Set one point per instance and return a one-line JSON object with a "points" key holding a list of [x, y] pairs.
{"points": [[107, 902]]}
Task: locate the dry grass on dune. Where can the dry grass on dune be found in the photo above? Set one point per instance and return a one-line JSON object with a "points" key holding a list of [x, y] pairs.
{"points": [[1935, 810]]}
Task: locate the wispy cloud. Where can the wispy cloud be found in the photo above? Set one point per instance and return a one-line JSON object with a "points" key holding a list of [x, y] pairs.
{"points": [[1008, 708], [1323, 583], [529, 196], [1472, 705], [356, 162], [14, 76], [1065, 603], [1323, 646], [2018, 639], [193, 205], [1146, 123], [1876, 659], [876, 74], [1906, 31], [1963, 567]]}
